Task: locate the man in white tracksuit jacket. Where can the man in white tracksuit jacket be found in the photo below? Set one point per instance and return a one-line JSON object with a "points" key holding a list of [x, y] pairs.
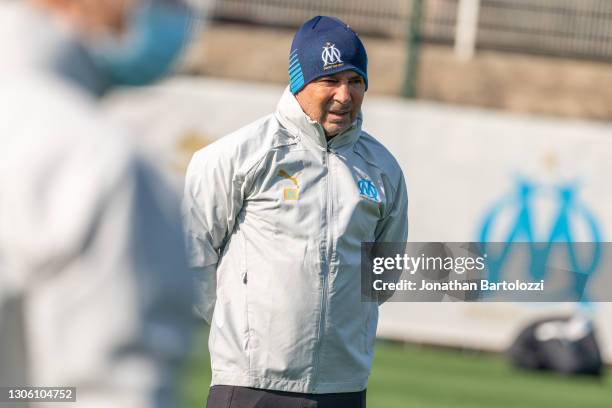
{"points": [[275, 215]]}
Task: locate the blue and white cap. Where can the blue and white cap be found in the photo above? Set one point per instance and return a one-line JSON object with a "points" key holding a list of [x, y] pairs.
{"points": [[325, 46]]}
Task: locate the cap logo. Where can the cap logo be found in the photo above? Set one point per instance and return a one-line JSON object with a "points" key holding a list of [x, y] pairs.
{"points": [[331, 56]]}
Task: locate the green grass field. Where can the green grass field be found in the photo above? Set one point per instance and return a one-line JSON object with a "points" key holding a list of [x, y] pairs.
{"points": [[407, 376]]}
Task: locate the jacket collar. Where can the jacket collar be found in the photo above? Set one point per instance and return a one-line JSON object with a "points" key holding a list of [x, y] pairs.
{"points": [[292, 117]]}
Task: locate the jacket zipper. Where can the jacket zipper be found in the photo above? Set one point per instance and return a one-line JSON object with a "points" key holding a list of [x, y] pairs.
{"points": [[326, 269]]}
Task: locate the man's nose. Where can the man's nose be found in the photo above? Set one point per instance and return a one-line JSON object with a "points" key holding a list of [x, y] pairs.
{"points": [[343, 93]]}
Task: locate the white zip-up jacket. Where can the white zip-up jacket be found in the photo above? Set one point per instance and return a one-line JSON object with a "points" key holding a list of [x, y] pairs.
{"points": [[276, 215]]}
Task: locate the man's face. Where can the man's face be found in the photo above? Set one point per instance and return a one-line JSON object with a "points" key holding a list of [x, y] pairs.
{"points": [[334, 101]]}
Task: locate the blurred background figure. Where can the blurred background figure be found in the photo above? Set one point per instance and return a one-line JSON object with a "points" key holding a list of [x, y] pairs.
{"points": [[94, 291], [499, 115]]}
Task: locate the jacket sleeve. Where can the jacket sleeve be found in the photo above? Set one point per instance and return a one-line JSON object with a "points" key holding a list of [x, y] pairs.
{"points": [[394, 225], [212, 200], [394, 228]]}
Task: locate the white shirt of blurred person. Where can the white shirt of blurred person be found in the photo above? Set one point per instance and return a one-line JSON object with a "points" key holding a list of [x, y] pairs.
{"points": [[275, 215], [94, 288]]}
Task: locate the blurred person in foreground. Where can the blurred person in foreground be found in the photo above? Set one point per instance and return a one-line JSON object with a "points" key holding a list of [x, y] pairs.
{"points": [[275, 215], [94, 287]]}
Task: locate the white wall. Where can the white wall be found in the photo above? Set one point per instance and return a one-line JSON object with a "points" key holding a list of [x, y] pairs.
{"points": [[458, 164]]}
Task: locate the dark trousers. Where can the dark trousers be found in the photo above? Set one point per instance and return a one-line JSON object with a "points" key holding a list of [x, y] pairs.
{"points": [[228, 396]]}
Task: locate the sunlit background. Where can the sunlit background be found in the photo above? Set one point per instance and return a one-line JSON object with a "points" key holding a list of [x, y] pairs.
{"points": [[477, 99]]}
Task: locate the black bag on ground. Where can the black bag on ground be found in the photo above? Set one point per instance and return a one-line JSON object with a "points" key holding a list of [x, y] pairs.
{"points": [[564, 345]]}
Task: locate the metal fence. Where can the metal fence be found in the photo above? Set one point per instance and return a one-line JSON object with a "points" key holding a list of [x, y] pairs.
{"points": [[574, 28], [562, 27], [379, 17]]}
